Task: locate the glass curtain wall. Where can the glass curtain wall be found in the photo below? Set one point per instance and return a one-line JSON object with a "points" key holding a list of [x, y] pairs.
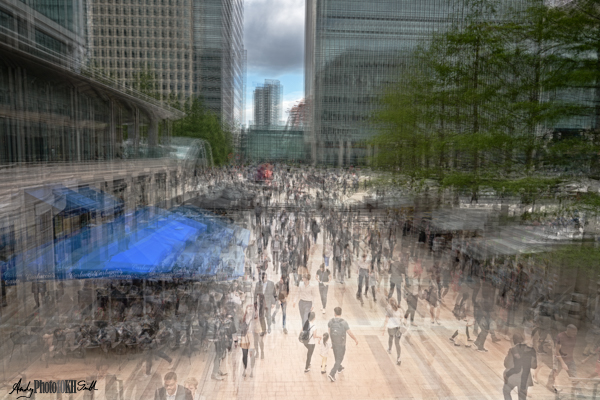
{"points": [[353, 49], [220, 58]]}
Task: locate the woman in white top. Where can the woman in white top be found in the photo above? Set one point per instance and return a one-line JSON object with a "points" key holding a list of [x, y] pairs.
{"points": [[311, 327], [393, 322], [306, 295], [248, 325]]}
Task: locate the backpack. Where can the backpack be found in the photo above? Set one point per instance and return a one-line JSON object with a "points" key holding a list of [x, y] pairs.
{"points": [[305, 335], [336, 331]]}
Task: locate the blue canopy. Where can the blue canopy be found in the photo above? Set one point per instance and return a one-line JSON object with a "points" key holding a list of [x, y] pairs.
{"points": [[154, 254]]}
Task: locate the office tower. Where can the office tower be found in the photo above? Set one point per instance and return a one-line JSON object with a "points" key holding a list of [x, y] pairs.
{"points": [[219, 59], [268, 103], [136, 39], [352, 50], [56, 108]]}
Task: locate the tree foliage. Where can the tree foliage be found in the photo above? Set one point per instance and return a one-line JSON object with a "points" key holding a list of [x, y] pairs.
{"points": [[202, 124], [478, 105]]}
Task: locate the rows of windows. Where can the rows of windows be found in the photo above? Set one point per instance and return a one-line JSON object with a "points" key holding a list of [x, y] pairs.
{"points": [[145, 2], [142, 54], [156, 22], [147, 11], [141, 44], [141, 33]]}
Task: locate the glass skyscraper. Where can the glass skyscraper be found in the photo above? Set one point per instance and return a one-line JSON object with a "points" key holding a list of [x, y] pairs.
{"points": [[268, 103], [219, 58], [352, 50], [153, 36]]}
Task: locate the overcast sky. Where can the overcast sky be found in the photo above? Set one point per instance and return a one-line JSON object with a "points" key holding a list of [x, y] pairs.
{"points": [[274, 39]]}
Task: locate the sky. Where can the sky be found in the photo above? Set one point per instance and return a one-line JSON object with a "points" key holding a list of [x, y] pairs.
{"points": [[274, 40]]}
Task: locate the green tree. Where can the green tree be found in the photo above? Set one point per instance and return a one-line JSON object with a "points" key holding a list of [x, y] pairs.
{"points": [[477, 107], [202, 124]]}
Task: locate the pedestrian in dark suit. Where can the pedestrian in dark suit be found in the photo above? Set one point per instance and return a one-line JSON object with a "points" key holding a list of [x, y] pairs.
{"points": [[171, 388], [265, 296]]}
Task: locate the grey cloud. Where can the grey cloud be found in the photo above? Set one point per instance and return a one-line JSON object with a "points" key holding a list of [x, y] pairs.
{"points": [[274, 36]]}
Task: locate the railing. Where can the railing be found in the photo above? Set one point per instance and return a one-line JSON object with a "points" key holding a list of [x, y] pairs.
{"points": [[76, 66]]}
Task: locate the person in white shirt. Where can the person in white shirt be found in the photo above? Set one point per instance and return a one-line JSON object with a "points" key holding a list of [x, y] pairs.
{"points": [[311, 327], [364, 265], [393, 322], [306, 295], [275, 248]]}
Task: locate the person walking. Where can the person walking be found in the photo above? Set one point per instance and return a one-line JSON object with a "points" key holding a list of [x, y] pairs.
{"points": [[347, 261], [314, 227], [393, 322], [564, 352], [266, 297], [373, 279], [171, 390], [519, 362], [356, 240], [363, 275], [311, 328], [412, 301], [397, 270], [482, 318], [338, 328], [247, 339], [432, 298], [275, 249], [323, 277], [337, 257], [305, 297], [282, 289], [324, 347], [263, 262], [258, 213]]}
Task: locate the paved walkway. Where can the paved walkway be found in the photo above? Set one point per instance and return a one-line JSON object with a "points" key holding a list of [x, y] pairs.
{"points": [[432, 368]]}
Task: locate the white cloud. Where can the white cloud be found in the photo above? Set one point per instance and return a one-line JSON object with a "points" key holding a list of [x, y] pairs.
{"points": [[274, 36]]}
